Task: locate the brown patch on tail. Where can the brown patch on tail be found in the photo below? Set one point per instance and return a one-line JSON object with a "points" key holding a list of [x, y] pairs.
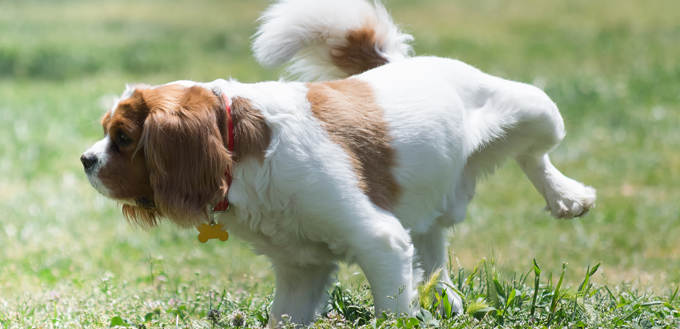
{"points": [[360, 53], [348, 112]]}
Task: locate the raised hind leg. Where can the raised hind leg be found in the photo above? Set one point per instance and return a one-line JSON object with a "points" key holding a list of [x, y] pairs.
{"points": [[542, 131], [565, 197], [521, 121]]}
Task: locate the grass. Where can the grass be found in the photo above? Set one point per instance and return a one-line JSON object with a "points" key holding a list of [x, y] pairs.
{"points": [[68, 259], [489, 302]]}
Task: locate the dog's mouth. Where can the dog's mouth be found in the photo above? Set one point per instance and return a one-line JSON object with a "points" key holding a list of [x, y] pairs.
{"points": [[98, 185]]}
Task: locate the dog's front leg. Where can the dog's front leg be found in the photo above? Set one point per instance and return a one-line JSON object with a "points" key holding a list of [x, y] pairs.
{"points": [[299, 290]]}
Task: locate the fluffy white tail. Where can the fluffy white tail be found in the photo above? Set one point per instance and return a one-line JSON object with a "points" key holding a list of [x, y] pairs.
{"points": [[328, 39]]}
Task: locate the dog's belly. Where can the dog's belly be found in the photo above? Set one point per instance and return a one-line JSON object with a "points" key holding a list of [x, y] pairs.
{"points": [[428, 174]]}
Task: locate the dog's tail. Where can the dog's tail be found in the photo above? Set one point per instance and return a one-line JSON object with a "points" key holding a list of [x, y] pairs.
{"points": [[328, 39]]}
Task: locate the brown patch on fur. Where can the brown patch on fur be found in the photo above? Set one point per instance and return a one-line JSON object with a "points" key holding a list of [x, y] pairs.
{"points": [[360, 53], [348, 112], [252, 135], [185, 151]]}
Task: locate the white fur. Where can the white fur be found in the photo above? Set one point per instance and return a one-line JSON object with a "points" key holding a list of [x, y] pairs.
{"points": [[99, 151], [302, 31], [129, 90]]}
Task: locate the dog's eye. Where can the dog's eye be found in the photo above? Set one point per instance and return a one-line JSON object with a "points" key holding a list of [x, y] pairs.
{"points": [[123, 139]]}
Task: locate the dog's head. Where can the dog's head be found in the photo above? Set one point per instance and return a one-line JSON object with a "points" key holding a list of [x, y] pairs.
{"points": [[163, 154]]}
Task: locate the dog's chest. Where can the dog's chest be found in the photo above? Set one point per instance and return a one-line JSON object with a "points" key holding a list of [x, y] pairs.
{"points": [[282, 239]]}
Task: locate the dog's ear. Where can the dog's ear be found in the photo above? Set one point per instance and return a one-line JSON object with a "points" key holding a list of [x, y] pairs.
{"points": [[185, 152]]}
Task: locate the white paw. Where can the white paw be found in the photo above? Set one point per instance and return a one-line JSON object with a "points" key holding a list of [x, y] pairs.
{"points": [[456, 302], [570, 200]]}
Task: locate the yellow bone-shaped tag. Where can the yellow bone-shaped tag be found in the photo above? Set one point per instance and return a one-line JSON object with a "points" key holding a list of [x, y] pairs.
{"points": [[207, 232]]}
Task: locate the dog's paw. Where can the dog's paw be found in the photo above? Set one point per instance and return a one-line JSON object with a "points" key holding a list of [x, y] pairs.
{"points": [[571, 200], [456, 303]]}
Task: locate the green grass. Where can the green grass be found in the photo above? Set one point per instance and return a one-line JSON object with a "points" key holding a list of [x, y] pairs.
{"points": [[68, 259], [489, 302]]}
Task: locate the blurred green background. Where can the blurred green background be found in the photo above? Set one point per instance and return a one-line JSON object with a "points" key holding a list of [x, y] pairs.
{"points": [[612, 66]]}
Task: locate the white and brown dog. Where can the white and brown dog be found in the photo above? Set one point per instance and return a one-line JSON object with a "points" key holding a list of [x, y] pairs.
{"points": [[369, 167]]}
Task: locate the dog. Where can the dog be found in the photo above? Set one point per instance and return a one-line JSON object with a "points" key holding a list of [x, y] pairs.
{"points": [[369, 163]]}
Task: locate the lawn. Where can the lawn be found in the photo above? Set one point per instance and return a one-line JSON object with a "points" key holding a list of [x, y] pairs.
{"points": [[68, 258]]}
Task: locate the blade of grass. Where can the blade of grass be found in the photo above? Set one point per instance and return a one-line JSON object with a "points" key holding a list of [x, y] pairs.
{"points": [[511, 298], [674, 294], [556, 295], [589, 273], [537, 279], [471, 278], [426, 291], [491, 292]]}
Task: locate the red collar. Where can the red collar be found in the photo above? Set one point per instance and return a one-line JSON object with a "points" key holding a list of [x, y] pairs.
{"points": [[223, 205]]}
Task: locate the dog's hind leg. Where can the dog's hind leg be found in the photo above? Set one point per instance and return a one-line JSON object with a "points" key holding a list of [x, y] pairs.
{"points": [[543, 128], [299, 291], [520, 120], [431, 250]]}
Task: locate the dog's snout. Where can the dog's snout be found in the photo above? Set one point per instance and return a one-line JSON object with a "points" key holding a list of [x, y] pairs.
{"points": [[88, 160]]}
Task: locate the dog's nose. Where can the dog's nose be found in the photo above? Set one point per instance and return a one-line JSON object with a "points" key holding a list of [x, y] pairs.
{"points": [[88, 160]]}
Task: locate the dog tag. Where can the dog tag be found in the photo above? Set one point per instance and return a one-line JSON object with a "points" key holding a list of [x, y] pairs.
{"points": [[207, 232]]}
